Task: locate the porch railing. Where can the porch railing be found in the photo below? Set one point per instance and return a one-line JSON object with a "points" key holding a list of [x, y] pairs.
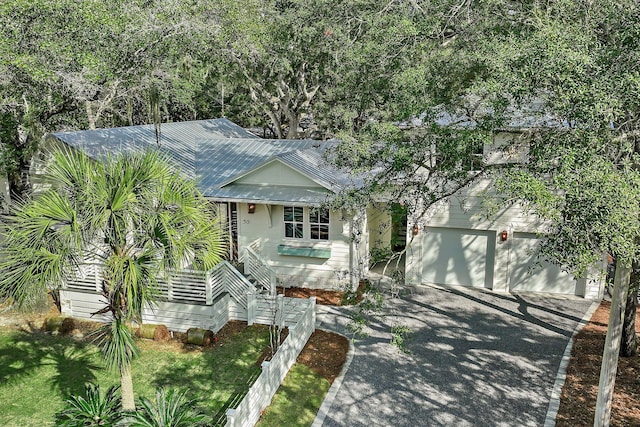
{"points": [[189, 286], [259, 270]]}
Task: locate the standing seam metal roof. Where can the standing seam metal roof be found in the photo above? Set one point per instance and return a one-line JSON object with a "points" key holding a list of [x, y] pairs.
{"points": [[214, 152]]}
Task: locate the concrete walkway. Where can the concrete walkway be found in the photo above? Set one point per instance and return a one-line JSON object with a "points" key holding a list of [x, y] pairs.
{"points": [[476, 359]]}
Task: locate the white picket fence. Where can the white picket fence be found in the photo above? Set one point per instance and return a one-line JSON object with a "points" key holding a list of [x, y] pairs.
{"points": [[259, 396], [209, 300]]}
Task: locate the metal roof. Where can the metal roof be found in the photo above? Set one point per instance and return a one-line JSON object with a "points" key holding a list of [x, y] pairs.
{"points": [[279, 194], [215, 153], [312, 164], [219, 161]]}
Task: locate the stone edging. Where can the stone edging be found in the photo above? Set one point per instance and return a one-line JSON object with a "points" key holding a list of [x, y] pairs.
{"points": [[335, 387], [561, 376]]}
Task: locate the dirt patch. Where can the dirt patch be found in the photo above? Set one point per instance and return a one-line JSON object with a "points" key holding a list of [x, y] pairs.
{"points": [[325, 353], [323, 297], [580, 391], [327, 297]]}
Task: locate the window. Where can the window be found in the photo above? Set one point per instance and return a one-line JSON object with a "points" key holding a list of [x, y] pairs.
{"points": [[319, 224], [293, 222]]}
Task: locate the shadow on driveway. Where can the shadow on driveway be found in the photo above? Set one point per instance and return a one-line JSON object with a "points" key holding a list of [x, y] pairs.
{"points": [[475, 359]]}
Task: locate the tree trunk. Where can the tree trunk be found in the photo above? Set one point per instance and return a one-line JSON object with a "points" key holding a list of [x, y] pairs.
{"points": [[19, 182], [294, 121], [629, 345], [90, 117], [126, 388], [612, 346]]}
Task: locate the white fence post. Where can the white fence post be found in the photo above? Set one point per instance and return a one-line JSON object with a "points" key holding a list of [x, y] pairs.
{"points": [[169, 288], [96, 277], [280, 311], [273, 280], [207, 289], [251, 307], [231, 417], [268, 389], [312, 301]]}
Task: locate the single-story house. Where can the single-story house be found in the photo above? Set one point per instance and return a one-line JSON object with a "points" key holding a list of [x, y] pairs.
{"points": [[273, 194]]}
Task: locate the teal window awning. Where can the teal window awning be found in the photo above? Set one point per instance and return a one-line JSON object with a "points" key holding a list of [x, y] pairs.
{"points": [[304, 251]]}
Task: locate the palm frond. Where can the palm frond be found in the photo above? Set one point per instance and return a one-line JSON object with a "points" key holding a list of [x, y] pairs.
{"points": [[171, 409], [116, 344], [92, 410]]}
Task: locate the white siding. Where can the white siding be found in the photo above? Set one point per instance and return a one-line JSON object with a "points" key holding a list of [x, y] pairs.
{"points": [[275, 173], [264, 231], [460, 244], [175, 316]]}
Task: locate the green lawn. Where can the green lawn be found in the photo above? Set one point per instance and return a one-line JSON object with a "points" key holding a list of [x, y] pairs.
{"points": [[38, 372], [298, 399]]}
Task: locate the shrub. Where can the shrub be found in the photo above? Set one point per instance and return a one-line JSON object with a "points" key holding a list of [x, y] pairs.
{"points": [[92, 410], [170, 409]]}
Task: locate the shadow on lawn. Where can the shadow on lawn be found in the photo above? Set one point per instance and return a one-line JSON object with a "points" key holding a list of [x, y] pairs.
{"points": [[26, 353], [220, 379], [218, 385]]}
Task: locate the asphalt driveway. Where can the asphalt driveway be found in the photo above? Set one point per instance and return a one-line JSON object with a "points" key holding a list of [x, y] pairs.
{"points": [[476, 359]]}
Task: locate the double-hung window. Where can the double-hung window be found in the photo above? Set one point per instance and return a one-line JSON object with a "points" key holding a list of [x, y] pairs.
{"points": [[294, 222], [309, 223], [319, 223]]}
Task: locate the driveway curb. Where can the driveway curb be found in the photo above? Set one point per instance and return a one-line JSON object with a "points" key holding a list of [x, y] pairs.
{"points": [[335, 387], [554, 402]]}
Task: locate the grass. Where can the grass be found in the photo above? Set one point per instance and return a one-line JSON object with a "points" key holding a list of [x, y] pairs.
{"points": [[38, 372], [297, 400]]}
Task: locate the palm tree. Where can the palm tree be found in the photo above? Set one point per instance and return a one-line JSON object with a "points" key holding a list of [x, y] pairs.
{"points": [[134, 214]]}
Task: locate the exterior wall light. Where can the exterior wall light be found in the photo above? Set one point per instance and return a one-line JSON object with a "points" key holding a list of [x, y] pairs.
{"points": [[251, 208], [504, 235], [416, 229]]}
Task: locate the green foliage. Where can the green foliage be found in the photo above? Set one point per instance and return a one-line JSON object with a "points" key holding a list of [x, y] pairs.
{"points": [[369, 307], [169, 409], [93, 410], [40, 371], [116, 343], [132, 213], [400, 334], [379, 254]]}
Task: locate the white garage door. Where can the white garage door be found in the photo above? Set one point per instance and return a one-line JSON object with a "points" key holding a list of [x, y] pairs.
{"points": [[528, 273], [458, 257]]}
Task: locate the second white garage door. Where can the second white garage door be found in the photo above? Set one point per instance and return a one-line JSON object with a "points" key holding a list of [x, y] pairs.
{"points": [[458, 257], [528, 273]]}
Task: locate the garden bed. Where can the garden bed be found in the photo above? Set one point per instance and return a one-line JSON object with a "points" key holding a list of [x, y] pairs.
{"points": [[579, 394]]}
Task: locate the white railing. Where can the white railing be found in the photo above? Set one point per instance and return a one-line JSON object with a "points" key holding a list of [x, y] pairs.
{"points": [[258, 269], [189, 286], [261, 392], [237, 285], [85, 278]]}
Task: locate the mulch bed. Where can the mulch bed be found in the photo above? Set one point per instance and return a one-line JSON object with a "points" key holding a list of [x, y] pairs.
{"points": [[579, 394], [323, 297], [325, 353]]}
